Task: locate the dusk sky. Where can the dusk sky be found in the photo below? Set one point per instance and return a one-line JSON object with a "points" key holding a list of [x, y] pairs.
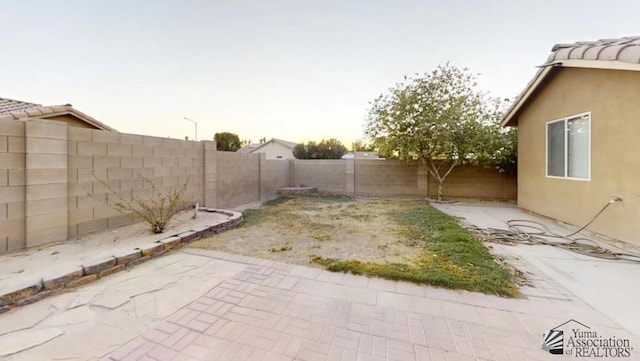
{"points": [[295, 70]]}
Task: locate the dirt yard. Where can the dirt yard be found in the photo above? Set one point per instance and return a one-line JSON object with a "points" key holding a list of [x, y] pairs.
{"points": [[339, 228]]}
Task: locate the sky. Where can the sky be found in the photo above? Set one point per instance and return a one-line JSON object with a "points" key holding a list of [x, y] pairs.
{"points": [[294, 70]]}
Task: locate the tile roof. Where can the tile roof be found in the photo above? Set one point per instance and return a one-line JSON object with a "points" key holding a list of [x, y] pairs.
{"points": [[18, 110], [625, 49], [8, 106], [615, 54]]}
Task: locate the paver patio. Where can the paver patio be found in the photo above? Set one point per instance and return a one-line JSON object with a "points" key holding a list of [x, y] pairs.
{"points": [[195, 304], [207, 305], [273, 311]]}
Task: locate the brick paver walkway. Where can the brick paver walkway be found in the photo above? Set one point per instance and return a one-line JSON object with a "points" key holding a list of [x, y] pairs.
{"points": [[274, 311]]}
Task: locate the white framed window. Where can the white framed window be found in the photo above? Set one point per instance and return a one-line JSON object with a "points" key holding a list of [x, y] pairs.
{"points": [[568, 147]]}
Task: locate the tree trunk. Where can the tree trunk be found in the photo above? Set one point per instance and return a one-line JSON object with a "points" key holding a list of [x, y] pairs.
{"points": [[435, 172]]}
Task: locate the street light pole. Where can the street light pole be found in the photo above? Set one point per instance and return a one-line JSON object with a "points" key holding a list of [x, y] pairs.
{"points": [[194, 123]]}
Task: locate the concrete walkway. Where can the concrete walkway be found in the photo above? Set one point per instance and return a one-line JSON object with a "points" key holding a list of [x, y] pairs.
{"points": [[203, 305], [611, 287]]}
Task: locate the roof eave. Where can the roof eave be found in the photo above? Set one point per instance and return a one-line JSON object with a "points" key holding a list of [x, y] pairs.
{"points": [[286, 143], [599, 64], [260, 146], [274, 140], [56, 110], [89, 119], [510, 119]]}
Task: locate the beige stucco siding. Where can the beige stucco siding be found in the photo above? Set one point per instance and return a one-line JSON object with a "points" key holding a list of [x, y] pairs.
{"points": [[612, 98], [70, 120]]}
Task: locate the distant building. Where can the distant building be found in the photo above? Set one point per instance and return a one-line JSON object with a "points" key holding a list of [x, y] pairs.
{"points": [[274, 148], [361, 155], [18, 110]]}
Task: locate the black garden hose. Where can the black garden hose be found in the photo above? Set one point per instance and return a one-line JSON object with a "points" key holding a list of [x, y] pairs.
{"points": [[522, 231]]}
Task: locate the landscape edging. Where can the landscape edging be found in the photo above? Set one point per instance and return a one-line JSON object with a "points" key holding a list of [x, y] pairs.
{"points": [[26, 293]]}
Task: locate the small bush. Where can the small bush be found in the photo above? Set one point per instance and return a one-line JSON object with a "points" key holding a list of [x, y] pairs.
{"points": [[157, 211]]}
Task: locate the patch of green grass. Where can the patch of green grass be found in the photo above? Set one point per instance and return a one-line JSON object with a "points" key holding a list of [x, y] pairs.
{"points": [[250, 217], [323, 197], [281, 249], [276, 201], [449, 257]]}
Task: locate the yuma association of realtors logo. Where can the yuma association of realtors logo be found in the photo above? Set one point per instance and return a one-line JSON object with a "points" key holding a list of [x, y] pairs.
{"points": [[582, 341], [553, 341]]}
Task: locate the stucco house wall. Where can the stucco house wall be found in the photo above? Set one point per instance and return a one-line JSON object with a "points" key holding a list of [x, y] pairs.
{"points": [[71, 121], [275, 150], [611, 96]]}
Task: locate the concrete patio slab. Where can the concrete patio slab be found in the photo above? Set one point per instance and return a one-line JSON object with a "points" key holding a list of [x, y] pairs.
{"points": [[610, 287]]}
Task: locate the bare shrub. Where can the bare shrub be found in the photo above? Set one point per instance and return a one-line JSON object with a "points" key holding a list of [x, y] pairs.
{"points": [[156, 211]]}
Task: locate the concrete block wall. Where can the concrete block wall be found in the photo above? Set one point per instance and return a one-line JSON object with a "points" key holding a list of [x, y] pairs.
{"points": [[46, 182], [477, 182], [210, 178], [274, 174], [387, 178], [383, 178], [237, 179], [367, 177], [327, 175], [12, 186], [103, 166], [56, 181]]}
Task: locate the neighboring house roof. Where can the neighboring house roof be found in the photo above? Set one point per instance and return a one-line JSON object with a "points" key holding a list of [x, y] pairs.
{"points": [[18, 110], [249, 148], [361, 155], [8, 106], [254, 147], [616, 54], [286, 143]]}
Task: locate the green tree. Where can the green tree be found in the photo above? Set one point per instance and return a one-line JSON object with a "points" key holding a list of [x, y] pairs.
{"points": [[361, 146], [385, 148], [505, 152], [500, 144], [438, 117], [228, 142], [326, 149]]}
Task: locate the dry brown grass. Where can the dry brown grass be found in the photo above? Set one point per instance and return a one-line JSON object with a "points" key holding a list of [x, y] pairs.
{"points": [[340, 228], [395, 239]]}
